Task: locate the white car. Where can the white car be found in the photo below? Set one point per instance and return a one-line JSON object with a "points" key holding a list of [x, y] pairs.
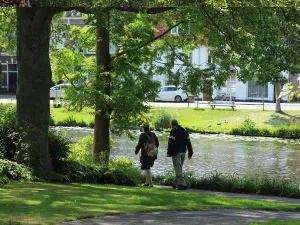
{"points": [[57, 90], [171, 93]]}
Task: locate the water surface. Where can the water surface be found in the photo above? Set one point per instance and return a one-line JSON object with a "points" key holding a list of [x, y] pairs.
{"points": [[226, 154]]}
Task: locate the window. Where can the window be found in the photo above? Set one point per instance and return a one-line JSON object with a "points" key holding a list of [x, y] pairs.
{"points": [[164, 89], [174, 30], [257, 91], [172, 89], [12, 67]]}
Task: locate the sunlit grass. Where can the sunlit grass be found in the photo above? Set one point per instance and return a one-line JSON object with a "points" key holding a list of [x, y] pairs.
{"points": [[45, 203]]}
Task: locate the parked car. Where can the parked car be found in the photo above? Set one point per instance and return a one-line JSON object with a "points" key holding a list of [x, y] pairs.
{"points": [[57, 90], [171, 93]]}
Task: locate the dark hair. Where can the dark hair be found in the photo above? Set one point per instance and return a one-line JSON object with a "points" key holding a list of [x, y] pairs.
{"points": [[146, 129], [174, 122]]}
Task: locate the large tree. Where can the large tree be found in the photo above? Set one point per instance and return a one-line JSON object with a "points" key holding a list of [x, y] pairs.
{"points": [[227, 27]]}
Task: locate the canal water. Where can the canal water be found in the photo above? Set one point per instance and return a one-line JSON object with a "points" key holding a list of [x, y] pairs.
{"points": [[226, 154]]}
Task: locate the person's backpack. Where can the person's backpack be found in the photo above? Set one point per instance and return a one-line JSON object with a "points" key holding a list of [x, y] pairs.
{"points": [[150, 146]]}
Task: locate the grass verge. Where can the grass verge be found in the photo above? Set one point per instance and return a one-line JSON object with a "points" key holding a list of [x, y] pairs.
{"points": [[45, 203]]}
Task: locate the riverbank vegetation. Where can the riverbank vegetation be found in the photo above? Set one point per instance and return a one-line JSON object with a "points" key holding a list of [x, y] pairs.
{"points": [[245, 122], [52, 203], [238, 122]]}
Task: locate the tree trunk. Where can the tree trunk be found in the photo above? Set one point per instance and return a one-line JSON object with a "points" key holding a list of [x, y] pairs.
{"points": [[103, 79], [34, 79], [277, 92]]}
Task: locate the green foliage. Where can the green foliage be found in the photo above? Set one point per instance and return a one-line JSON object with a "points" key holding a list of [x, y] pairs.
{"points": [[8, 136], [232, 183], [59, 147], [161, 120], [71, 122], [14, 171], [81, 151], [248, 129], [290, 91], [122, 171], [3, 180]]}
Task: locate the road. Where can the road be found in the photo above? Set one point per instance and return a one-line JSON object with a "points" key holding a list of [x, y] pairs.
{"points": [[201, 104]]}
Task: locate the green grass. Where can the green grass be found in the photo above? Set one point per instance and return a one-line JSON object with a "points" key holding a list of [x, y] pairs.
{"points": [[279, 222], [45, 203], [62, 114], [199, 119]]}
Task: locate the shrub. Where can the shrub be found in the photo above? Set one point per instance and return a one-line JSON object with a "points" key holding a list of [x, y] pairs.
{"points": [[81, 151], [122, 171], [14, 171], [59, 147], [161, 120], [8, 136], [71, 122], [235, 184], [3, 180]]}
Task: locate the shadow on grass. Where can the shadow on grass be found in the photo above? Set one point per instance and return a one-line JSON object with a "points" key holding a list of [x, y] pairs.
{"points": [[283, 118], [278, 120], [33, 203]]}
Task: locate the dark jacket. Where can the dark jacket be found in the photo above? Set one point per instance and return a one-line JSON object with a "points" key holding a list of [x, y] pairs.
{"points": [[141, 144], [179, 141]]}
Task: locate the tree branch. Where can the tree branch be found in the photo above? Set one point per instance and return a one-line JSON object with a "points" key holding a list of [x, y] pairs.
{"points": [[153, 10], [148, 42]]}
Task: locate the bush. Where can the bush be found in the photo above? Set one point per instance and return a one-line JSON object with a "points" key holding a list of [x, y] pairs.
{"points": [[161, 120], [3, 181], [122, 171], [81, 152], [14, 171], [8, 136], [59, 147], [71, 122], [235, 184]]}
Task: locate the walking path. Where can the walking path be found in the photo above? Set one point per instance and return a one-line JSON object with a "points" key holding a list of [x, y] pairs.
{"points": [[205, 217]]}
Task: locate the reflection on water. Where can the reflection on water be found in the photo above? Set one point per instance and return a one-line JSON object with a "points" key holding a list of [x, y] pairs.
{"points": [[243, 156]]}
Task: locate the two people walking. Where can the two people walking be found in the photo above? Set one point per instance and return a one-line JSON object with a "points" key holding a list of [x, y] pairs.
{"points": [[178, 144]]}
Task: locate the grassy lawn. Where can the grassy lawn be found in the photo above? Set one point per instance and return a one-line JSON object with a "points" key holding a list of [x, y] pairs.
{"points": [[45, 203], [201, 119], [62, 114]]}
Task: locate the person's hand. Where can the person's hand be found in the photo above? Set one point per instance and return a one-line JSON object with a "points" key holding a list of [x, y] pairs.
{"points": [[135, 152], [189, 157], [168, 155]]}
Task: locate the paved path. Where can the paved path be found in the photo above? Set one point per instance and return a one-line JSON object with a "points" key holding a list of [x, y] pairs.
{"points": [[201, 104], [205, 217]]}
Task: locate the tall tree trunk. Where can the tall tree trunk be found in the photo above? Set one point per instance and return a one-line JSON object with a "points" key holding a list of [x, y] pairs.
{"points": [[277, 92], [34, 79], [103, 79]]}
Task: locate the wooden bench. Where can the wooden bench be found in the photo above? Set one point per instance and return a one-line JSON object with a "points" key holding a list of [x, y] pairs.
{"points": [[222, 103]]}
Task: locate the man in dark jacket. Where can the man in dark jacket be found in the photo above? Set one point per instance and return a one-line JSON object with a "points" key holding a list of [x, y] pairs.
{"points": [[179, 141]]}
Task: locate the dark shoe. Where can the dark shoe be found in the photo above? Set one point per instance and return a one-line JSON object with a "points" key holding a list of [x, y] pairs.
{"points": [[181, 187], [145, 185]]}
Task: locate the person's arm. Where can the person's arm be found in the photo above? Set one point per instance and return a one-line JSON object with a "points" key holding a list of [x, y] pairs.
{"points": [[140, 144], [171, 143], [189, 145], [156, 140]]}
